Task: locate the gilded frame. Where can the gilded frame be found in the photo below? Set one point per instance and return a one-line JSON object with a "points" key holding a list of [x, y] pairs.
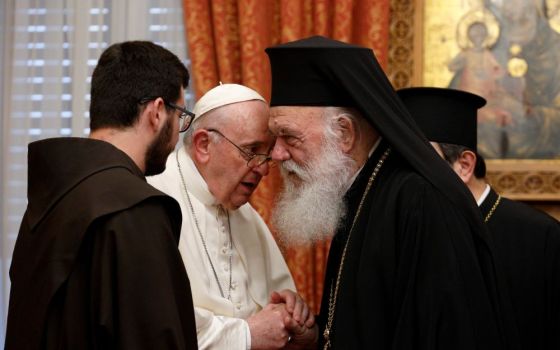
{"points": [[521, 179]]}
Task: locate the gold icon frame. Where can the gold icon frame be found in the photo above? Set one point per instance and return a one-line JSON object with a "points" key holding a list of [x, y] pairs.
{"points": [[423, 38]]}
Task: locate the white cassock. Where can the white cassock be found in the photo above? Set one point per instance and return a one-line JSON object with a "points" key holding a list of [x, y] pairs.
{"points": [[257, 266]]}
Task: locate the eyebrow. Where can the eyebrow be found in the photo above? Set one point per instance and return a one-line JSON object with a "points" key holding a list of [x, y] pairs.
{"points": [[257, 143], [254, 144], [286, 131]]}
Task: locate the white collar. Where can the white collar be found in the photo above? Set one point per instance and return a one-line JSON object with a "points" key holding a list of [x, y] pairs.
{"points": [[193, 180], [483, 196]]}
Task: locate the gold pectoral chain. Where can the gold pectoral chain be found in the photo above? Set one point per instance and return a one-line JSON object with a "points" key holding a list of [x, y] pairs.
{"points": [[333, 294], [489, 215]]}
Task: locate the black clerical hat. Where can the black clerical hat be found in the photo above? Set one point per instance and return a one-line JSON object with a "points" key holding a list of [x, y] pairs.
{"points": [[444, 115], [300, 72], [318, 71]]}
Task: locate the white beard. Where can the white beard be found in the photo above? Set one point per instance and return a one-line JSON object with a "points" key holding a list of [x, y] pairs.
{"points": [[310, 209]]}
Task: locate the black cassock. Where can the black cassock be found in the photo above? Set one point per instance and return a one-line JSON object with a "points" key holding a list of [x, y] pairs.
{"points": [[420, 271], [96, 264], [527, 242], [410, 280]]}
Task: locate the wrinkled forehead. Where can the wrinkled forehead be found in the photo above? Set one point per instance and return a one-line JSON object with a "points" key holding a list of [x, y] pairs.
{"points": [[242, 114], [246, 120], [295, 116]]}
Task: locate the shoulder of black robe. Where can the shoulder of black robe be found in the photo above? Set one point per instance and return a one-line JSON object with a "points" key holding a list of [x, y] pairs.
{"points": [[72, 184], [352, 199], [404, 281], [527, 242], [351, 76]]}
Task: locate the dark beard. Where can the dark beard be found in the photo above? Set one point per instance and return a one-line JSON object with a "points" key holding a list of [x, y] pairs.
{"points": [[156, 155]]}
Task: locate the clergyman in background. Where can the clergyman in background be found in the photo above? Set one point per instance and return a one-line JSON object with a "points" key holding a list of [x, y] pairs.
{"points": [[527, 241]]}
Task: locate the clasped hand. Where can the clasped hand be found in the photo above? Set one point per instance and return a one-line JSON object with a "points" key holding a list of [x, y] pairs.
{"points": [[286, 322]]}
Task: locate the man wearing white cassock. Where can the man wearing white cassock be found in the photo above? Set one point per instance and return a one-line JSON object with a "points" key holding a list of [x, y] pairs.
{"points": [[232, 260]]}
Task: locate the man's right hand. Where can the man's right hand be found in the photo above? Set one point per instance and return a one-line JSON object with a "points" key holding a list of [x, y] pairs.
{"points": [[295, 305], [268, 329], [302, 337]]}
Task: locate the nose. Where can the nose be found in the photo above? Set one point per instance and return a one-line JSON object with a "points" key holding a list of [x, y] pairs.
{"points": [[280, 151]]}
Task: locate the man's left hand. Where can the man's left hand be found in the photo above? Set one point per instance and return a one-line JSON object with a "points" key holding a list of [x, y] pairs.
{"points": [[295, 305]]}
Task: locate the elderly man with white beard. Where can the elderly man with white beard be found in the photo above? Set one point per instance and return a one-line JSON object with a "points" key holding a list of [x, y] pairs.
{"points": [[411, 265], [316, 187], [233, 262]]}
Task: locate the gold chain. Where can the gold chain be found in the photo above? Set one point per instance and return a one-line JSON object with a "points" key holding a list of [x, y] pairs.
{"points": [[333, 296], [493, 209]]}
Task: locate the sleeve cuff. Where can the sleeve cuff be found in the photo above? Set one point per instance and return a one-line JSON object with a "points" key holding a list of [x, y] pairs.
{"points": [[247, 335]]}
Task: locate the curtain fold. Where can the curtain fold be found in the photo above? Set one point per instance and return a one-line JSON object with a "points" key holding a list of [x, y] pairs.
{"points": [[226, 40]]}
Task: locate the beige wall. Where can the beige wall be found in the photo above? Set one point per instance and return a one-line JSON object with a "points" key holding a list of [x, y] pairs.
{"points": [[551, 207]]}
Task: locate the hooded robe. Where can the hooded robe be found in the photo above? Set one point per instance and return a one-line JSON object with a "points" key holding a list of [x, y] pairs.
{"points": [[96, 264]]}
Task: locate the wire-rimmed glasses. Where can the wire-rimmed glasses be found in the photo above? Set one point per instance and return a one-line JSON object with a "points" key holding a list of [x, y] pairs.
{"points": [[253, 159]]}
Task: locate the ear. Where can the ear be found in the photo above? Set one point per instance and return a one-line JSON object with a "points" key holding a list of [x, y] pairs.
{"points": [[464, 166], [201, 146], [346, 131], [155, 115]]}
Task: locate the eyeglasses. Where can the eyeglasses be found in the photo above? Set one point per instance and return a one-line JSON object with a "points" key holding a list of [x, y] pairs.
{"points": [[253, 159], [185, 117]]}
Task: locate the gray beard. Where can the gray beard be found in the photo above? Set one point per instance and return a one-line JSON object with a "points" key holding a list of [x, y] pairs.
{"points": [[311, 209]]}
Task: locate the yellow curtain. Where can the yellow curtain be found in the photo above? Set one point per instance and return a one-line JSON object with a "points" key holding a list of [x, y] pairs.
{"points": [[226, 40]]}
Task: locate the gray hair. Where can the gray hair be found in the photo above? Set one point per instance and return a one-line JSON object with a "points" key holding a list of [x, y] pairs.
{"points": [[331, 116], [208, 120]]}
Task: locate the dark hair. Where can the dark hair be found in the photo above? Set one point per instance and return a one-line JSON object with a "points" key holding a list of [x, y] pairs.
{"points": [[126, 73], [452, 152]]}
